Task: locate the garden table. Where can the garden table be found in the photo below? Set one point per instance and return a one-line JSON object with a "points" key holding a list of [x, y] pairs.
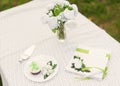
{"points": [[21, 27]]}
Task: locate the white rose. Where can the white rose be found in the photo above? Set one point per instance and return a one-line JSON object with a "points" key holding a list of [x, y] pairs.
{"points": [[75, 9], [69, 14], [62, 17], [59, 17], [78, 63], [53, 22]]}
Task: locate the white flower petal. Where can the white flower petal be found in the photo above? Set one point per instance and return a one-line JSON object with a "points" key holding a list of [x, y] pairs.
{"points": [[69, 14], [66, 2], [51, 71], [59, 17], [62, 17], [75, 8], [78, 64], [76, 60], [53, 22]]}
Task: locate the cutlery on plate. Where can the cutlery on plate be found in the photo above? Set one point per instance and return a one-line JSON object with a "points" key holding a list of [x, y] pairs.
{"points": [[27, 53]]}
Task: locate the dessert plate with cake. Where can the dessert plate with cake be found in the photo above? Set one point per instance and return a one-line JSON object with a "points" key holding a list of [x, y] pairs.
{"points": [[41, 68]]}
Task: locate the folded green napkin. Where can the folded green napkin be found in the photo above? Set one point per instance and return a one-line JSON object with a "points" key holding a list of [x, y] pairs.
{"points": [[89, 62]]}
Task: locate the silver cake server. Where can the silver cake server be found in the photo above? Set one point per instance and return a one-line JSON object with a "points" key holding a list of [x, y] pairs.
{"points": [[27, 53]]}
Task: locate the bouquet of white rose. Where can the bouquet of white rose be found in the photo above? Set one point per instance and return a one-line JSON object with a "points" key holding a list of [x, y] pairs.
{"points": [[58, 14]]}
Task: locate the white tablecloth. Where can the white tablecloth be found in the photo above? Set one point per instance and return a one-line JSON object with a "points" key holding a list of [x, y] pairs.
{"points": [[21, 27]]}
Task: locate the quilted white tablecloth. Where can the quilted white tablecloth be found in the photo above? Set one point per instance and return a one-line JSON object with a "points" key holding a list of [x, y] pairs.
{"points": [[21, 27]]}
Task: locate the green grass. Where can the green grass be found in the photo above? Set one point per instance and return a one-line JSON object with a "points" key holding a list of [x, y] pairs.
{"points": [[5, 4], [105, 13]]}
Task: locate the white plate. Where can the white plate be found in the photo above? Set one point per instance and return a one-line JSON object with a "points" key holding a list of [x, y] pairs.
{"points": [[43, 61]]}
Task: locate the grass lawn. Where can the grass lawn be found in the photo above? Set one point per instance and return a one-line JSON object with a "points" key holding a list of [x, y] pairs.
{"points": [[105, 13]]}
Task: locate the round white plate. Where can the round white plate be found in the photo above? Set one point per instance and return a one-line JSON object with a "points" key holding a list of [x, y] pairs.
{"points": [[43, 61]]}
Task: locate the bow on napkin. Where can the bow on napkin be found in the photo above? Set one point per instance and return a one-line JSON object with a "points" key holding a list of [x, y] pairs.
{"points": [[90, 63]]}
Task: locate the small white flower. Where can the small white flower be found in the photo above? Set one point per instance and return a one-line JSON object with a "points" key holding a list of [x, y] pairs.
{"points": [[69, 14], [53, 22]]}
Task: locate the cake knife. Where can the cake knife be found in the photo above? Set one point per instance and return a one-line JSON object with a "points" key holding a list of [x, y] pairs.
{"points": [[27, 53]]}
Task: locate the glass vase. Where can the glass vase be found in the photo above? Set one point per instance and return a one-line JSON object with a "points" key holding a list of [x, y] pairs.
{"points": [[61, 32]]}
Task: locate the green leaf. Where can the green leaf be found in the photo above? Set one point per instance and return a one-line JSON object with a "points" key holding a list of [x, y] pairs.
{"points": [[54, 30], [70, 8], [83, 78], [45, 76], [108, 55], [76, 57], [57, 11], [67, 7], [73, 65], [54, 66], [104, 72], [85, 69], [83, 65], [78, 69], [49, 63], [82, 50]]}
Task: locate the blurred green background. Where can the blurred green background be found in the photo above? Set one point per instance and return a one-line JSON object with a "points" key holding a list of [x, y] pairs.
{"points": [[105, 13]]}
